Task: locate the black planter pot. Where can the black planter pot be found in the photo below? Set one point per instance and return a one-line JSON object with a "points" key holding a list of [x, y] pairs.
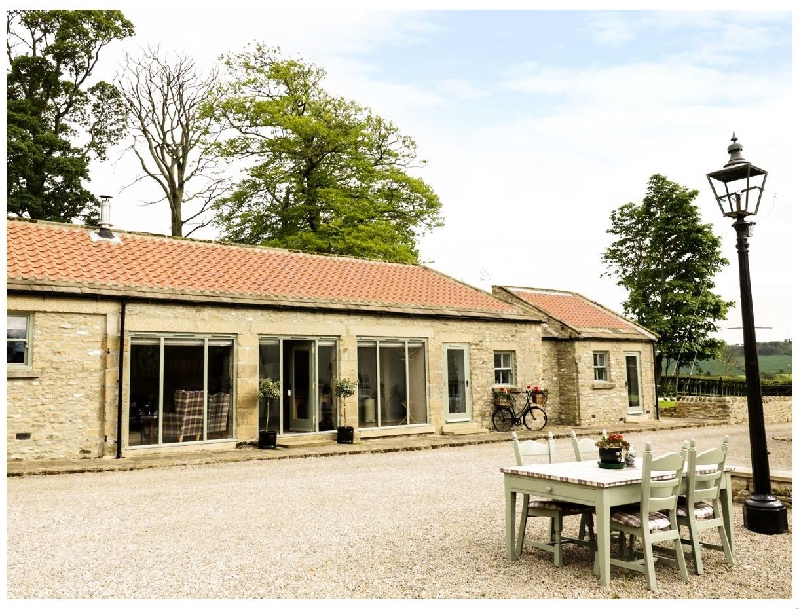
{"points": [[267, 439], [610, 454], [345, 434]]}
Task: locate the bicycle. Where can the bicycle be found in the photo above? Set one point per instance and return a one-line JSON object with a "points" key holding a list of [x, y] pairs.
{"points": [[532, 415]]}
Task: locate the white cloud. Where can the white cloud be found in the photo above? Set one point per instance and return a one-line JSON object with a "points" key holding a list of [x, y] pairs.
{"points": [[610, 28]]}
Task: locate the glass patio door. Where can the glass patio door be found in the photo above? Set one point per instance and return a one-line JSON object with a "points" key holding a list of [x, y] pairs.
{"points": [[457, 395], [633, 366], [301, 395]]}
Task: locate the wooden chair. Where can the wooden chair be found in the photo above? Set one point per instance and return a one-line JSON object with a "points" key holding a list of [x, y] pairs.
{"points": [[187, 420], [218, 407], [585, 449], [655, 519], [699, 510], [546, 508]]}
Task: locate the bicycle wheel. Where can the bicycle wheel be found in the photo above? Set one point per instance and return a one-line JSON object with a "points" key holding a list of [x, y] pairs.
{"points": [[535, 418], [502, 419]]}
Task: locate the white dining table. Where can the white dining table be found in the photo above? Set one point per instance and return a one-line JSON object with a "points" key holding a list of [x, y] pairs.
{"points": [[586, 483]]}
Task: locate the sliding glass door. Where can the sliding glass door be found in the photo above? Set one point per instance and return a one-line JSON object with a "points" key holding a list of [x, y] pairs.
{"points": [[181, 389], [306, 368]]}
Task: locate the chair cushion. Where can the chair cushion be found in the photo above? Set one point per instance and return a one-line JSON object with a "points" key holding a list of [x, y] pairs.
{"points": [[702, 511], [564, 507], [657, 520]]}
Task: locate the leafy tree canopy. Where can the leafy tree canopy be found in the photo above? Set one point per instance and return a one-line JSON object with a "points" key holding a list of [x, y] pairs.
{"points": [[666, 260], [57, 121], [327, 176]]}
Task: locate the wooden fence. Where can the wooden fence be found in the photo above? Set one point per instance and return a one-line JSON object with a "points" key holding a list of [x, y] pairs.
{"points": [[708, 386]]}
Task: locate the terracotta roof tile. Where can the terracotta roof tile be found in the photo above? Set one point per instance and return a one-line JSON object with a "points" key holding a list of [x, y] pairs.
{"points": [[572, 309], [47, 251]]}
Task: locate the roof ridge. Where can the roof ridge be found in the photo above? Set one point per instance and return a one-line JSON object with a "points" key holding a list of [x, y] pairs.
{"points": [[62, 254], [212, 242]]}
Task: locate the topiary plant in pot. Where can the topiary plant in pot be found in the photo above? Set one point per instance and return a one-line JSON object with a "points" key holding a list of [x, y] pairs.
{"points": [[268, 390], [344, 388]]}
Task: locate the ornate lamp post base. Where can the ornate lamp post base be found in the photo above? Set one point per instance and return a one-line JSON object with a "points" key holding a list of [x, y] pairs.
{"points": [[765, 514]]}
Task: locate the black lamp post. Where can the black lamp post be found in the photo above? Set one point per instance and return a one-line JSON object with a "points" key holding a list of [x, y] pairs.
{"points": [[738, 188]]}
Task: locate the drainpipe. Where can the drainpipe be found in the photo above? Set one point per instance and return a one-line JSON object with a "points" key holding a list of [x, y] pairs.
{"points": [[654, 378], [122, 305]]}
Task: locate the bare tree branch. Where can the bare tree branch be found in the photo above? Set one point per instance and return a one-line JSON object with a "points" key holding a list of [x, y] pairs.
{"points": [[172, 140]]}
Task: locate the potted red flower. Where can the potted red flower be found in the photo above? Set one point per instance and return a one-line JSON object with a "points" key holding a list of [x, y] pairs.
{"points": [[612, 447]]}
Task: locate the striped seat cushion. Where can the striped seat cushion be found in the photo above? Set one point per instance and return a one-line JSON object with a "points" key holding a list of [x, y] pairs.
{"points": [[565, 507], [702, 511], [657, 520]]}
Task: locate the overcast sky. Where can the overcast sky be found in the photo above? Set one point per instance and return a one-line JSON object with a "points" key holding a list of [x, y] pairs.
{"points": [[536, 124]]}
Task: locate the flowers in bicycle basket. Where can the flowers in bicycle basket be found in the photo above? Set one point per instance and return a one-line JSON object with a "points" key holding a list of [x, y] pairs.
{"points": [[501, 396], [536, 390], [613, 440]]}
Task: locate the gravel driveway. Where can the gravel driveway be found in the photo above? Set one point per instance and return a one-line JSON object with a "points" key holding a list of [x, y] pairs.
{"points": [[404, 525]]}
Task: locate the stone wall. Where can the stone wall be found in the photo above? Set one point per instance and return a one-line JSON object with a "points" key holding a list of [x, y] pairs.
{"points": [[781, 486], [560, 379], [65, 405], [607, 401], [729, 409]]}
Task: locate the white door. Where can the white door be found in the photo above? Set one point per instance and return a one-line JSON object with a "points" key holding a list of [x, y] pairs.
{"points": [[633, 366], [457, 395]]}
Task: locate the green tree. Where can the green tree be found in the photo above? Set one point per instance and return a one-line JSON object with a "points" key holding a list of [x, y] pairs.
{"points": [[666, 260], [731, 360], [327, 175], [57, 121]]}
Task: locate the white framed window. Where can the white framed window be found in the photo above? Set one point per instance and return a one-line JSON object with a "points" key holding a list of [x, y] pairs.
{"points": [[503, 367], [601, 372], [392, 382], [18, 334]]}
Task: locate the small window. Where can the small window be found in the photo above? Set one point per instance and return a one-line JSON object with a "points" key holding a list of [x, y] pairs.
{"points": [[18, 333], [503, 368], [601, 366]]}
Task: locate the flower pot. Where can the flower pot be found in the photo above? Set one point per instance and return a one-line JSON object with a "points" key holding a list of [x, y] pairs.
{"points": [[345, 434], [610, 454], [267, 439]]}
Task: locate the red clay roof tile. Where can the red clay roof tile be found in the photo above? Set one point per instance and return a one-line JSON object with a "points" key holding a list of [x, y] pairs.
{"points": [[572, 309], [65, 253]]}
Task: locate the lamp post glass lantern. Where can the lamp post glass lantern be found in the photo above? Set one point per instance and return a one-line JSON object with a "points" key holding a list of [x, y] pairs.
{"points": [[738, 188]]}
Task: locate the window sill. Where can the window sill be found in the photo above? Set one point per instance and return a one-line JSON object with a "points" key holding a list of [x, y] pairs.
{"points": [[22, 373], [603, 385]]}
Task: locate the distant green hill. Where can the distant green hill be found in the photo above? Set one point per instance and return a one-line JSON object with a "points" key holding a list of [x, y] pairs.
{"points": [[773, 358], [769, 364]]}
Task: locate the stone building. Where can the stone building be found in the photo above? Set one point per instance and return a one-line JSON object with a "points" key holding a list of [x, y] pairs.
{"points": [[140, 342], [598, 366]]}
